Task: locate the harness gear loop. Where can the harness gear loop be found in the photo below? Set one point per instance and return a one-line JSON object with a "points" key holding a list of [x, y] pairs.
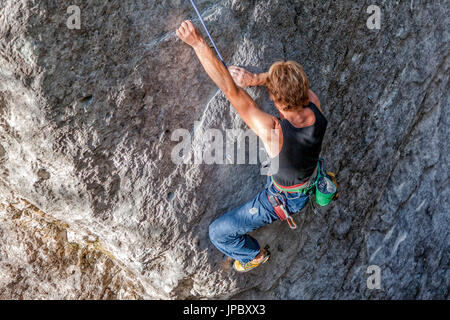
{"points": [[312, 205]]}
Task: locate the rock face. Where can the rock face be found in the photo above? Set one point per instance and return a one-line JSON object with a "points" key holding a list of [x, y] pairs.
{"points": [[93, 206]]}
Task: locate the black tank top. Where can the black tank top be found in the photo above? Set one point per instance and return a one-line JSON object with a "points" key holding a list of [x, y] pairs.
{"points": [[300, 150]]}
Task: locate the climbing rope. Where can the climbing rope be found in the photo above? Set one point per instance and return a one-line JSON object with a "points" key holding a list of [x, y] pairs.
{"points": [[207, 32]]}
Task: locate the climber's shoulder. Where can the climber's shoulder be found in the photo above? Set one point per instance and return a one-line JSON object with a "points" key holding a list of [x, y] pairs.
{"points": [[314, 99], [259, 121]]}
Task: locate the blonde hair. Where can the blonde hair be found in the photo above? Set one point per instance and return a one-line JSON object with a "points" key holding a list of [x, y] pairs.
{"points": [[288, 84]]}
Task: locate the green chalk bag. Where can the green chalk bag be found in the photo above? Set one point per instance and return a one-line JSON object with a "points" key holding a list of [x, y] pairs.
{"points": [[326, 187], [325, 191]]}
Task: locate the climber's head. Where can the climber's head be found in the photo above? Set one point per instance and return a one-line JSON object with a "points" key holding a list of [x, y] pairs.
{"points": [[288, 85]]}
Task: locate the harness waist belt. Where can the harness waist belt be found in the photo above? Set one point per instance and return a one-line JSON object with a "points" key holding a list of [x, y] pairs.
{"points": [[297, 187]]}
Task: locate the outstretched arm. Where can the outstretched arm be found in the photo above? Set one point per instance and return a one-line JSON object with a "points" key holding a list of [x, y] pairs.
{"points": [[260, 122]]}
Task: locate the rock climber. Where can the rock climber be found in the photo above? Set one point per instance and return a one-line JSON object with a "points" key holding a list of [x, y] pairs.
{"points": [[294, 140]]}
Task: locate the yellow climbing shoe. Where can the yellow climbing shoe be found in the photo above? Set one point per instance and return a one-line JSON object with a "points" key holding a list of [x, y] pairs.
{"points": [[244, 267]]}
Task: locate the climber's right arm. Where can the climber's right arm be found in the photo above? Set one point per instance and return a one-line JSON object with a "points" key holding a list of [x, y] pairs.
{"points": [[259, 121]]}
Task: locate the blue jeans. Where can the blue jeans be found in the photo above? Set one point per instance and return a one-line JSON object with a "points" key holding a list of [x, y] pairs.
{"points": [[229, 232]]}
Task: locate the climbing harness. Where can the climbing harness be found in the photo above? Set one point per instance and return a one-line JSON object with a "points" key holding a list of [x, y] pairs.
{"points": [[207, 32], [311, 187]]}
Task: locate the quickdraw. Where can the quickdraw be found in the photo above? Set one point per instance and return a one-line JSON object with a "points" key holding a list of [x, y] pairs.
{"points": [[281, 211]]}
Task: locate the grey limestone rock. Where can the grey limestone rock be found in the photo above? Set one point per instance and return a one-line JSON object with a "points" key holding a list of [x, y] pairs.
{"points": [[93, 207]]}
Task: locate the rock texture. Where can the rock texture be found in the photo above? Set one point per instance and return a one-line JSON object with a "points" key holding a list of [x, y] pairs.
{"points": [[93, 206]]}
